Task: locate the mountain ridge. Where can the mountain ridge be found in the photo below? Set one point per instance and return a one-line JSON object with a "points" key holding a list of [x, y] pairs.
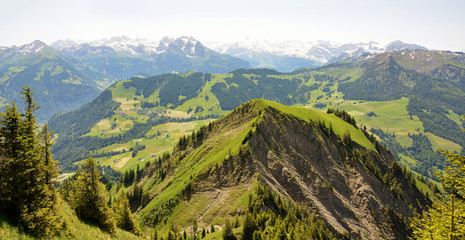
{"points": [[300, 158], [50, 76]]}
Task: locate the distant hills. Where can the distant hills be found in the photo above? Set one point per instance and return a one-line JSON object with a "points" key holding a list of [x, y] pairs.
{"points": [[84, 69], [58, 85]]}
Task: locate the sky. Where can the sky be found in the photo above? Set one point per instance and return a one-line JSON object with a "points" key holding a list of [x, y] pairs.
{"points": [[435, 24]]}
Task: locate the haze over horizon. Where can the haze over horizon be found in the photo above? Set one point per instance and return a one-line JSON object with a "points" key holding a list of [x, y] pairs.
{"points": [[433, 24]]}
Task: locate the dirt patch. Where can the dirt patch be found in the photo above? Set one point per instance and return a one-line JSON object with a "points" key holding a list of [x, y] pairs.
{"points": [[121, 163]]}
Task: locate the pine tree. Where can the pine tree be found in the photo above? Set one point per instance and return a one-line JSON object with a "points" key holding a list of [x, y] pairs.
{"points": [[228, 231], [123, 216], [27, 174], [10, 147], [90, 197], [248, 227], [51, 170], [445, 219]]}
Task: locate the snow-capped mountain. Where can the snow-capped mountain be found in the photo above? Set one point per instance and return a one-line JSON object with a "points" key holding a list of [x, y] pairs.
{"points": [[274, 54], [399, 46], [119, 58], [26, 49], [32, 48], [283, 56], [183, 45]]}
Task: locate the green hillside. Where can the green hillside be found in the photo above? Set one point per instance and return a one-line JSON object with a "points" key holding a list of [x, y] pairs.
{"points": [[58, 85], [80, 229], [223, 169]]}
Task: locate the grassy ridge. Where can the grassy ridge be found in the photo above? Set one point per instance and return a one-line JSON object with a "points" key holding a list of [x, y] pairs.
{"points": [[227, 139], [340, 127]]}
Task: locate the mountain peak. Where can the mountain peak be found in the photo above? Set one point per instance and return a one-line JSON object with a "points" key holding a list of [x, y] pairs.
{"points": [[33, 47], [187, 45], [399, 45]]}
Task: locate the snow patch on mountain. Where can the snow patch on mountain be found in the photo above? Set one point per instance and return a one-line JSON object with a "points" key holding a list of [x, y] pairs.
{"points": [[320, 51], [31, 48], [187, 45]]}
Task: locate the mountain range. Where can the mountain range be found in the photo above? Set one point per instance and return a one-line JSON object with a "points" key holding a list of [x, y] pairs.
{"points": [[86, 68], [71, 75], [120, 58], [287, 56]]}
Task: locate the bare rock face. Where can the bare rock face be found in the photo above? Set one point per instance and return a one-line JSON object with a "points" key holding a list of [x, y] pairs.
{"points": [[303, 161]]}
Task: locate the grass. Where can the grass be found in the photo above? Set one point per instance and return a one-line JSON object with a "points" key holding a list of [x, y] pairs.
{"points": [[210, 207], [340, 127], [205, 99], [154, 145], [10, 230], [214, 151], [392, 116]]}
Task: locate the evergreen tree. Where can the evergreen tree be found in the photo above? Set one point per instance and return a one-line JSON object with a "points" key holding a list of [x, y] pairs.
{"points": [[91, 199], [170, 235], [123, 216], [10, 147], [248, 227], [50, 165], [445, 220], [228, 231], [27, 187]]}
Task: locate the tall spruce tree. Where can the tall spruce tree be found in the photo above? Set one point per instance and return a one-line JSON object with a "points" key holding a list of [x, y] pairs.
{"points": [[10, 147], [91, 199], [29, 196]]}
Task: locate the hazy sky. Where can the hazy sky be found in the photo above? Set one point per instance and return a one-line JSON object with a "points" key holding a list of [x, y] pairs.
{"points": [[438, 24]]}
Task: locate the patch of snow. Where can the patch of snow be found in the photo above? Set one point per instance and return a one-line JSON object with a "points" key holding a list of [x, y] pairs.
{"points": [[321, 51], [31, 48]]}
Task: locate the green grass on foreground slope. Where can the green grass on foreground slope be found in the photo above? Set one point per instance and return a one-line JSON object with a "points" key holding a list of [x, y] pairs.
{"points": [[81, 230], [213, 151]]}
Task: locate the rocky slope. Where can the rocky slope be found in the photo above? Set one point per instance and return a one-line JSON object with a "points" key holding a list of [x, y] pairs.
{"points": [[311, 158]]}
